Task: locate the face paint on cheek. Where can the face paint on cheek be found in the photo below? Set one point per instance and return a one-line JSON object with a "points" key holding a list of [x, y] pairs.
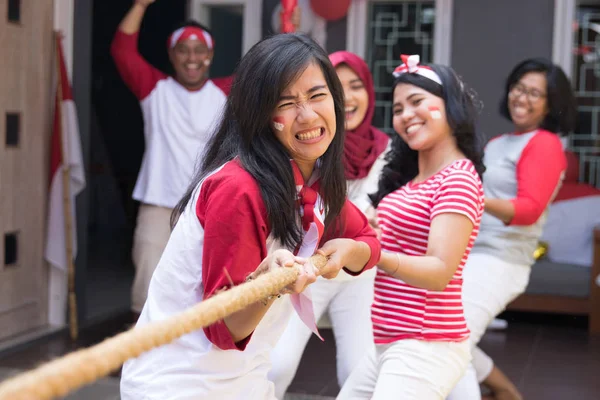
{"points": [[435, 112], [278, 123]]}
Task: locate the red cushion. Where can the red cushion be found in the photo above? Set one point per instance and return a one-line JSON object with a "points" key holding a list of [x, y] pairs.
{"points": [[574, 190], [572, 174]]}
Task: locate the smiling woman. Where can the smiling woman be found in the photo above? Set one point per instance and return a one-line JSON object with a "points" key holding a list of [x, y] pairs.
{"points": [[525, 168], [429, 204]]}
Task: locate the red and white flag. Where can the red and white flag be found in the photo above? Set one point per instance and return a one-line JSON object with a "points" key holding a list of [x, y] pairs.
{"points": [[65, 135]]}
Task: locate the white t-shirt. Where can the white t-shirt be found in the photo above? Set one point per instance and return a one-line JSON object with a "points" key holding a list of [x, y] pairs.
{"points": [[225, 227], [177, 123]]}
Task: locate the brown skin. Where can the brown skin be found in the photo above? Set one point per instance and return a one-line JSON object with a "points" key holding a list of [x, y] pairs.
{"points": [[306, 106], [502, 388], [449, 233], [527, 102], [356, 96], [528, 106], [189, 58], [242, 323]]}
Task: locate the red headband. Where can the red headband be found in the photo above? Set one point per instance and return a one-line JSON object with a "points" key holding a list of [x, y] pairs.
{"points": [[190, 32]]}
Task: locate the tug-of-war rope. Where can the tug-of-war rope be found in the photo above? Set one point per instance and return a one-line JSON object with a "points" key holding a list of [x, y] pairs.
{"points": [[59, 377]]}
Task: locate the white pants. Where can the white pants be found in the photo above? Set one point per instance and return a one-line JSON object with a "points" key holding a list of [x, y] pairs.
{"points": [[489, 285], [408, 370], [349, 306], [151, 235]]}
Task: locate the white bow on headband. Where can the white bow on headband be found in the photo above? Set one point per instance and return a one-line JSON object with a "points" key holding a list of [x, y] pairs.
{"points": [[411, 65], [412, 62]]}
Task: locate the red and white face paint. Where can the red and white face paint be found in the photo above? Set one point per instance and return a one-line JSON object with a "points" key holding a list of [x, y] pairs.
{"points": [[190, 53], [278, 123], [435, 112]]}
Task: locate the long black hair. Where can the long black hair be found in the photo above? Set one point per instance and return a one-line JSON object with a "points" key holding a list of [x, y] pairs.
{"points": [[245, 131], [461, 111], [562, 107]]}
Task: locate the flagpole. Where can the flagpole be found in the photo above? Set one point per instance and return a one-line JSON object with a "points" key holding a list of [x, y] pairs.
{"points": [[66, 170]]}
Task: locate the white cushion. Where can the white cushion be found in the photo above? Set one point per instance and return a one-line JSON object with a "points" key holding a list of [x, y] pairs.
{"points": [[569, 230]]}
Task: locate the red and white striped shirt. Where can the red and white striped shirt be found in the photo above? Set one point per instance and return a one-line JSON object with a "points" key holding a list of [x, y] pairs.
{"points": [[402, 311]]}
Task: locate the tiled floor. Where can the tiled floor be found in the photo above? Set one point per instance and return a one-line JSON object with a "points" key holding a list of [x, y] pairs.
{"points": [[548, 358]]}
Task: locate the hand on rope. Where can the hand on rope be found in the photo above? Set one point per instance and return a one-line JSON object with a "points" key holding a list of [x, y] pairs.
{"points": [[371, 215], [285, 259], [339, 253], [59, 377]]}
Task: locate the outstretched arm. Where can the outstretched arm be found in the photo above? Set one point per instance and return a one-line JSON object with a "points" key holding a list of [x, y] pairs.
{"points": [[136, 72], [133, 20]]}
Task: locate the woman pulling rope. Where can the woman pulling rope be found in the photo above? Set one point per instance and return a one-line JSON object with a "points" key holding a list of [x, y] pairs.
{"points": [[270, 192]]}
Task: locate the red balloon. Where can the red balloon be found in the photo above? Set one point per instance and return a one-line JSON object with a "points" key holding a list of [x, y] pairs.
{"points": [[331, 10]]}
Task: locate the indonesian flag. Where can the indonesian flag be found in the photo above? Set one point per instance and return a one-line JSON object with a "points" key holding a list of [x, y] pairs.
{"points": [[65, 135]]}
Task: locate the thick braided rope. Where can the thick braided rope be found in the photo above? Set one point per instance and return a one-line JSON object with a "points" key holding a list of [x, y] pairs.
{"points": [[66, 374]]}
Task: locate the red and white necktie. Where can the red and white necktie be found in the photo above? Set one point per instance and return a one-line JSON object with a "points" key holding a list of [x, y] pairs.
{"points": [[312, 214]]}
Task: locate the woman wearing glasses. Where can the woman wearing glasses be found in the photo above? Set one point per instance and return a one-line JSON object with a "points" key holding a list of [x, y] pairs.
{"points": [[524, 171]]}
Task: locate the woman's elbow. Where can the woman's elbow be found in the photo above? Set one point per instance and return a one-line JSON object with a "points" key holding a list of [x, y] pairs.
{"points": [[116, 53], [439, 285], [442, 280], [528, 214], [526, 220]]}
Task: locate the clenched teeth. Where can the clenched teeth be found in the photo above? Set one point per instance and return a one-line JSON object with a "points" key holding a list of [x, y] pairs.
{"points": [[315, 133]]}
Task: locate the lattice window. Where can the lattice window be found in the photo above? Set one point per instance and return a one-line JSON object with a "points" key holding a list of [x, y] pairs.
{"points": [[586, 73], [394, 28]]}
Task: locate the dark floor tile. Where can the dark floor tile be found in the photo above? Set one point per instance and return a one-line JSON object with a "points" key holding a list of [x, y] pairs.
{"points": [[559, 391], [568, 356], [517, 338], [547, 360], [316, 373], [511, 349]]}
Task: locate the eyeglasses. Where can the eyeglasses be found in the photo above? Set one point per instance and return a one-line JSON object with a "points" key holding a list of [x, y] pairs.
{"points": [[533, 95]]}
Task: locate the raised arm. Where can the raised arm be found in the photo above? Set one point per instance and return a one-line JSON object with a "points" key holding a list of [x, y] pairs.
{"points": [[136, 72], [133, 20]]}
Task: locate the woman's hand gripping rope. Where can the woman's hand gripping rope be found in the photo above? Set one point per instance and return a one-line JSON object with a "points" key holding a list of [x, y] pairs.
{"points": [[285, 259]]}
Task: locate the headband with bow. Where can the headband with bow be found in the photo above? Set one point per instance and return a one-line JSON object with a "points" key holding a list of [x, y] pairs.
{"points": [[411, 65]]}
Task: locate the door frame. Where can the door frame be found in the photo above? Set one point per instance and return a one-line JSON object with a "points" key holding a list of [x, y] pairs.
{"points": [[252, 30], [562, 38]]}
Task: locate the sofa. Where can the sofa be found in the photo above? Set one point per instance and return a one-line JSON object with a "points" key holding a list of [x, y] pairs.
{"points": [[566, 280]]}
